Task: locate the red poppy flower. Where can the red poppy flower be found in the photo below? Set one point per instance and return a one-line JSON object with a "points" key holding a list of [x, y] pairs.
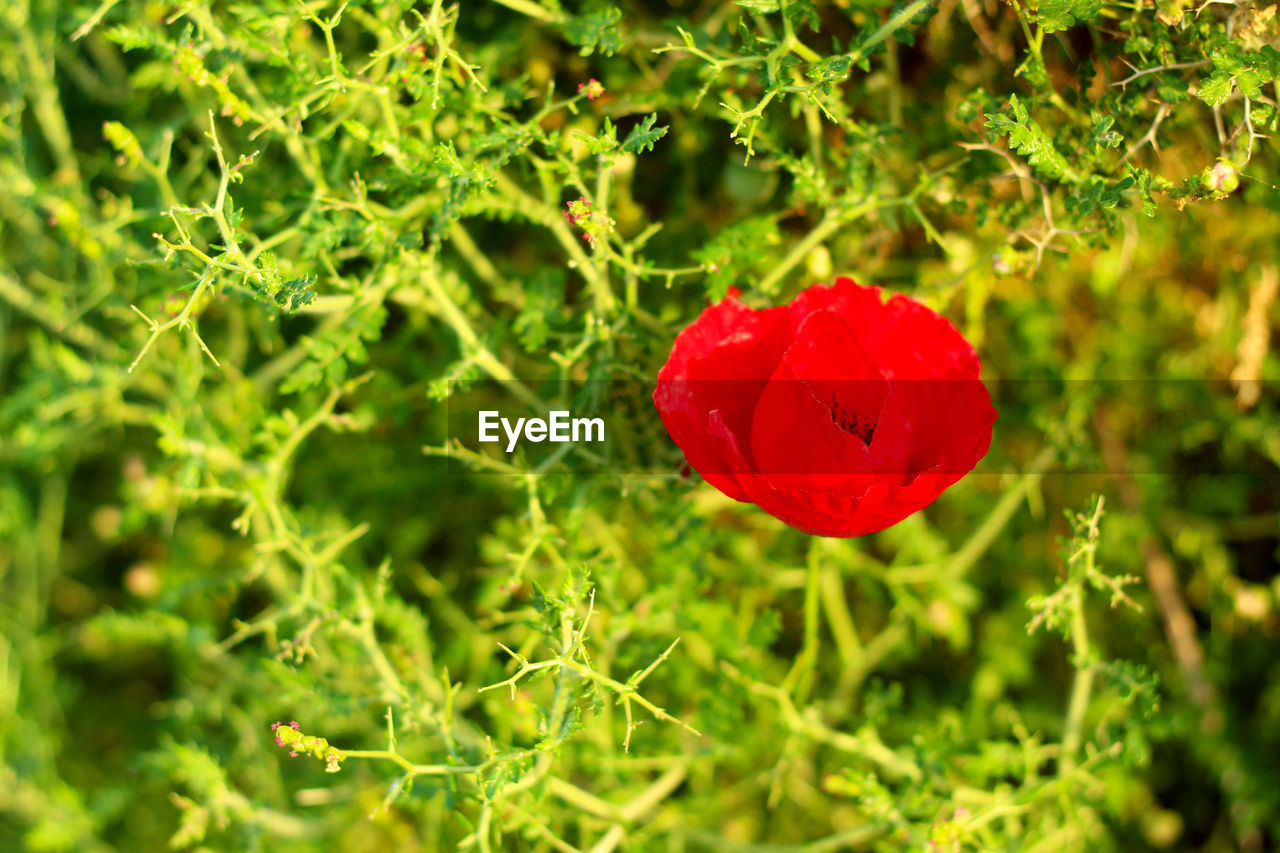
{"points": [[839, 413]]}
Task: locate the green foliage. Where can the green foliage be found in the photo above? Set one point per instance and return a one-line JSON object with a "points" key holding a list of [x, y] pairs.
{"points": [[289, 295], [250, 255], [1057, 15], [1247, 70], [643, 136], [595, 31], [828, 72], [737, 253], [1030, 139]]}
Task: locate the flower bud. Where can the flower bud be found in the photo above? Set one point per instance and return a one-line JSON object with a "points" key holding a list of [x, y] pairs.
{"points": [[1221, 179], [593, 89], [292, 738]]}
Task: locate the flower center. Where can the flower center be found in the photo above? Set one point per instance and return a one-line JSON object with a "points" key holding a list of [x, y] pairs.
{"points": [[852, 422]]}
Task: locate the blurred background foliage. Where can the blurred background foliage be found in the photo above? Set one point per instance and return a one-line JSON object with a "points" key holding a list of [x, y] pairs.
{"points": [[247, 248]]}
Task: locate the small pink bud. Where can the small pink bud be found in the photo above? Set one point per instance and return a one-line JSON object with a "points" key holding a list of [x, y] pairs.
{"points": [[593, 89]]}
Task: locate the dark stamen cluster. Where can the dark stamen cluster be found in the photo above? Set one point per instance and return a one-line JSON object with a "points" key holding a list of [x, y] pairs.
{"points": [[852, 422]]}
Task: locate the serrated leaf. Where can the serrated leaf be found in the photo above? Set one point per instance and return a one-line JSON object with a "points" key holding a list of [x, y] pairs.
{"points": [[595, 31], [1227, 59], [803, 13], [736, 252], [297, 292], [1250, 82], [1101, 136], [1028, 138], [603, 142], [1249, 71], [1172, 89], [1033, 68], [643, 136], [1057, 15], [1215, 89], [829, 71], [130, 38]]}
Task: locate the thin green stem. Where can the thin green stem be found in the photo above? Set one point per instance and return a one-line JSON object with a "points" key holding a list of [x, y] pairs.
{"points": [[1035, 42], [472, 346], [183, 319], [959, 563], [602, 293], [1082, 685], [830, 223], [866, 744], [546, 215], [413, 769], [530, 8], [800, 680], [79, 334], [890, 26]]}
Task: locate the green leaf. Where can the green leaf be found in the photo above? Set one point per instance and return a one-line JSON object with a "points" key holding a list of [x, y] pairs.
{"points": [[1264, 118], [1227, 59], [1172, 89], [543, 308], [1101, 135], [1028, 138], [906, 33], [1249, 71], [759, 7], [803, 13], [1034, 70], [1263, 67], [1250, 82], [603, 142], [1097, 195], [506, 142], [643, 135], [1215, 89], [331, 351], [829, 71], [595, 31], [736, 252], [1056, 15], [297, 292], [458, 377], [1267, 60], [131, 38]]}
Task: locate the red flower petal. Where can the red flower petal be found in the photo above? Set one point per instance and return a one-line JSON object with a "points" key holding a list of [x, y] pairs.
{"points": [[906, 339], [839, 413], [729, 339], [824, 381]]}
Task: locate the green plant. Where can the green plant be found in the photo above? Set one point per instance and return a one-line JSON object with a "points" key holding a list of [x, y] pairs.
{"points": [[247, 252]]}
